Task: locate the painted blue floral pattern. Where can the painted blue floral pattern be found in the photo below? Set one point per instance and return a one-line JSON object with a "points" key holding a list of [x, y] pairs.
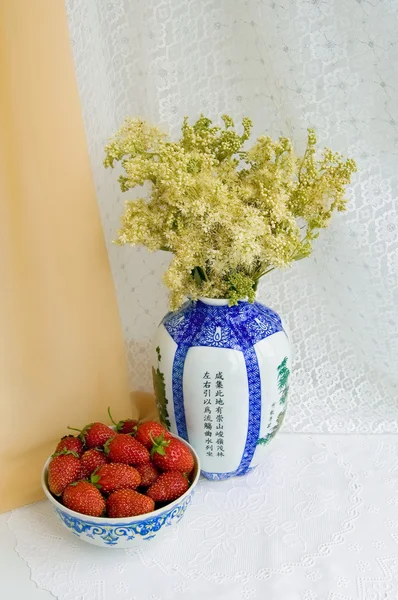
{"points": [[112, 533], [234, 327]]}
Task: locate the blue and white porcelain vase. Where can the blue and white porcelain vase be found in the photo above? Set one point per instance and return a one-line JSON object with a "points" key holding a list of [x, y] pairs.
{"points": [[221, 379]]}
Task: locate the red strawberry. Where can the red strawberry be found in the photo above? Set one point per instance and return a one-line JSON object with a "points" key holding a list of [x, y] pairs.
{"points": [[125, 426], [83, 497], [127, 503], [63, 469], [123, 448], [91, 460], [115, 476], [168, 486], [95, 435], [147, 432], [72, 443], [172, 455], [148, 473]]}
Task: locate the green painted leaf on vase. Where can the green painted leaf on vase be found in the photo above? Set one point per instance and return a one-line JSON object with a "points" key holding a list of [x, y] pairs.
{"points": [[283, 387]]}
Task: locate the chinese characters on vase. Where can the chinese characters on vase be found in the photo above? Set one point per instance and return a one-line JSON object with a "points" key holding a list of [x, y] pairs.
{"points": [[213, 418]]}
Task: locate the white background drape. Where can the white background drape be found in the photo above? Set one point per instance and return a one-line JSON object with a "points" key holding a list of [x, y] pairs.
{"points": [[288, 64]]}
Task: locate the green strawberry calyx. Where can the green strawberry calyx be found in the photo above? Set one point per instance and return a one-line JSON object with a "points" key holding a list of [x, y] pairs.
{"points": [[75, 483], [94, 479], [119, 424], [159, 444], [65, 452], [107, 444], [82, 432]]}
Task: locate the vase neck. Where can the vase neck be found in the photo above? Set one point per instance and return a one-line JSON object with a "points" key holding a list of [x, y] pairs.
{"points": [[214, 301], [218, 301]]}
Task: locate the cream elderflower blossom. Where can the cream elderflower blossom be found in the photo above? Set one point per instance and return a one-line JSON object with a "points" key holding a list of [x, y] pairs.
{"points": [[228, 215]]}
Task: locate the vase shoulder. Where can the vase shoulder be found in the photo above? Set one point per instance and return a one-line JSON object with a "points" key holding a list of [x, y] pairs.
{"points": [[221, 325]]}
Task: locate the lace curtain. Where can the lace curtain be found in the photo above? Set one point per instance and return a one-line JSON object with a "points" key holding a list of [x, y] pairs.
{"points": [[287, 64]]}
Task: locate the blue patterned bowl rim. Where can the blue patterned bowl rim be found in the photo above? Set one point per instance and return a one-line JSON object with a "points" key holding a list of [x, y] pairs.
{"points": [[130, 520]]}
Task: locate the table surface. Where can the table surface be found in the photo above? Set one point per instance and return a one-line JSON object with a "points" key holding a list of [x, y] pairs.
{"points": [[317, 521], [15, 581]]}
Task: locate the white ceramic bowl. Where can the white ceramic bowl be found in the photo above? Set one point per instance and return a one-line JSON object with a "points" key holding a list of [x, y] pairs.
{"points": [[128, 531]]}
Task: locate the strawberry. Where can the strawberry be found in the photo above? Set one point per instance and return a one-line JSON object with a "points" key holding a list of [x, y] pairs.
{"points": [[168, 486], [125, 426], [95, 435], [91, 460], [83, 497], [115, 476], [128, 503], [147, 432], [123, 448], [148, 473], [172, 455], [72, 443], [63, 469]]}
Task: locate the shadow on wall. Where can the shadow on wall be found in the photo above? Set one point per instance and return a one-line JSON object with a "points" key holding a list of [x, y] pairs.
{"points": [[143, 406]]}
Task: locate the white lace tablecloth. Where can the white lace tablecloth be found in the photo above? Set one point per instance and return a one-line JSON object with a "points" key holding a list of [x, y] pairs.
{"points": [[318, 521]]}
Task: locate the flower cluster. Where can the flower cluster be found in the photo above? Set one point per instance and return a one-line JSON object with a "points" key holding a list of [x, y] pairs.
{"points": [[229, 215]]}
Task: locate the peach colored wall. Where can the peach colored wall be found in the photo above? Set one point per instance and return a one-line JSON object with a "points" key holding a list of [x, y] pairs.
{"points": [[61, 350]]}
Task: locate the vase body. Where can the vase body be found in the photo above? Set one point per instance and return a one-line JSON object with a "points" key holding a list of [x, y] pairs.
{"points": [[221, 379]]}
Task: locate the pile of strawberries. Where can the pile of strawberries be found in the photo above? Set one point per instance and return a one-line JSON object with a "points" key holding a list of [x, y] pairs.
{"points": [[123, 473]]}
